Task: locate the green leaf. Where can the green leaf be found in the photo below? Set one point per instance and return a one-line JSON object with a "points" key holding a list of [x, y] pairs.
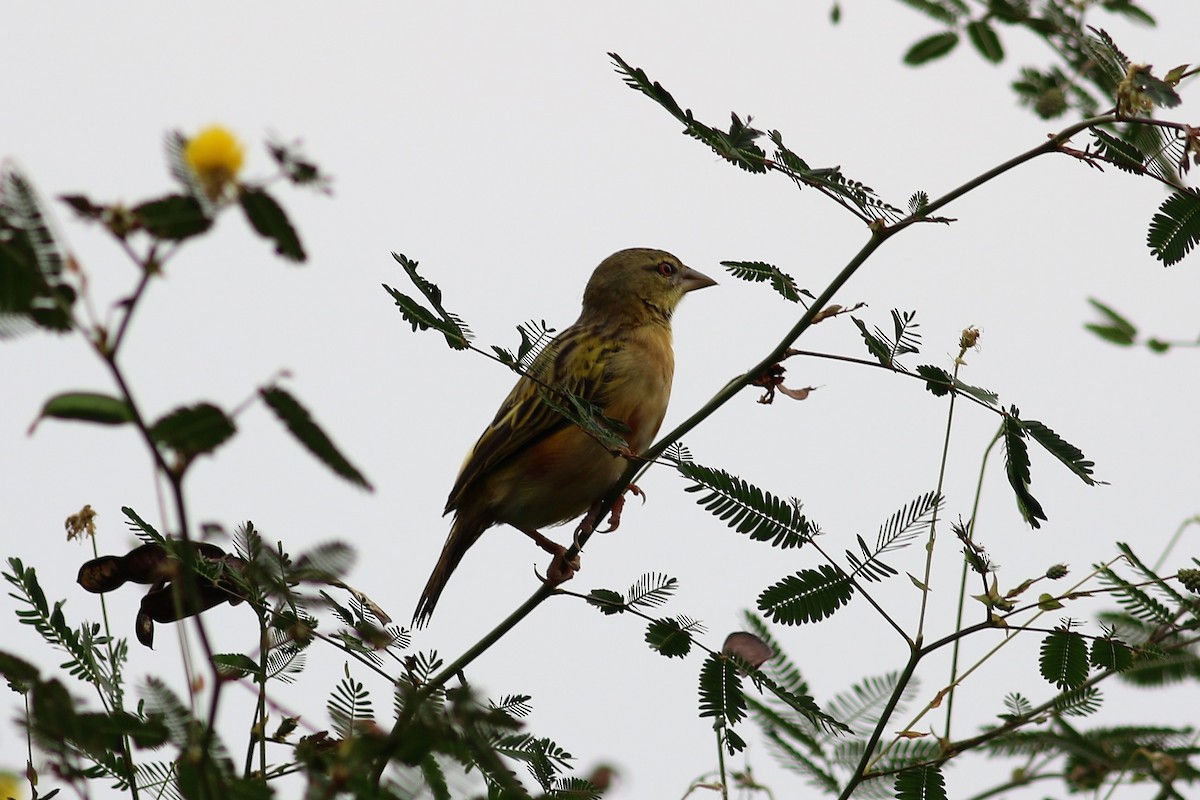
{"points": [[608, 601], [947, 11], [759, 271], [810, 595], [308, 433], [1123, 331], [269, 219], [1110, 334], [1016, 467], [669, 637], [1064, 659], [94, 407], [1128, 9], [747, 508], [983, 37], [235, 665], [938, 381], [1175, 229], [652, 590], [457, 334], [33, 286], [20, 674], [1078, 702], [193, 430], [931, 48], [175, 217], [721, 691], [904, 340], [921, 783], [1111, 654], [1064, 451], [1123, 154]]}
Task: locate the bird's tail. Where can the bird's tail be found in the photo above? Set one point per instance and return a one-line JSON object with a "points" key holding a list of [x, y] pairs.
{"points": [[464, 532]]}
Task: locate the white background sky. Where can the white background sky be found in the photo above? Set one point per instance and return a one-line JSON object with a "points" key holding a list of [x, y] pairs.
{"points": [[496, 145]]}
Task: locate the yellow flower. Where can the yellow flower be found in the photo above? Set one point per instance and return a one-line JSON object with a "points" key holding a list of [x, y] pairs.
{"points": [[532, 467], [215, 156], [11, 785]]}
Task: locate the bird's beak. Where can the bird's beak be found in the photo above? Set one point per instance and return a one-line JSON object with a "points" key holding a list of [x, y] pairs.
{"points": [[694, 279]]}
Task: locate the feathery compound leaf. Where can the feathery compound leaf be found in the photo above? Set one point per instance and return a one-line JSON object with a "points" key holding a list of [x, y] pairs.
{"points": [[1018, 706], [535, 336], [721, 691], [1122, 154], [1118, 330], [678, 453], [457, 334], [1064, 451], [921, 783], [308, 433], [32, 285], [1078, 702], [1111, 654], [737, 146], [672, 636], [1064, 659], [747, 508], [830, 181], [1135, 601], [791, 758], [862, 703], [1175, 229], [810, 595], [803, 705], [349, 705], [607, 600], [1016, 467], [939, 382], [904, 340], [651, 590], [1156, 581], [588, 416], [759, 271], [897, 532], [908, 522]]}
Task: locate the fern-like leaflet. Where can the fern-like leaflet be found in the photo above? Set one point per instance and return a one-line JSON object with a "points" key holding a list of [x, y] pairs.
{"points": [[747, 508], [899, 531]]}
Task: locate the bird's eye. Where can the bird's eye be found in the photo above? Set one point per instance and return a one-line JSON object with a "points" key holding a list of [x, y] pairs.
{"points": [[667, 269]]}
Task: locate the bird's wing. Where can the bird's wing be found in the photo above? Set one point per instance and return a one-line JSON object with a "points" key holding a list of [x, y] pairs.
{"points": [[576, 363]]}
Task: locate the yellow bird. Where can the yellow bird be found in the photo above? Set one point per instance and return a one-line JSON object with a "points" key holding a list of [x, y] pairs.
{"points": [[533, 467]]}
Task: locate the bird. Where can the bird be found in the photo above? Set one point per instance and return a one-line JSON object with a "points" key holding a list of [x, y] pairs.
{"points": [[533, 467]]}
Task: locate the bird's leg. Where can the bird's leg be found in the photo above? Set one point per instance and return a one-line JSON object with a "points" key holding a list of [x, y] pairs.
{"points": [[561, 570], [614, 517]]}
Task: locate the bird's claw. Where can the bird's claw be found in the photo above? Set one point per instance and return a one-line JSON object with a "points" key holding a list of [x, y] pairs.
{"points": [[614, 517], [561, 568]]}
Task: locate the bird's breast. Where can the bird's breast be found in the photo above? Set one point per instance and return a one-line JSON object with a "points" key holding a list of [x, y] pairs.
{"points": [[638, 379]]}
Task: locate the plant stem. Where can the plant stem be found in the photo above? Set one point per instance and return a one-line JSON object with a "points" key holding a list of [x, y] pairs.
{"points": [[962, 587]]}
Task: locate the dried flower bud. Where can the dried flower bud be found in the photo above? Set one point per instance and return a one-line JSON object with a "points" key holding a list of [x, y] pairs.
{"points": [[747, 647]]}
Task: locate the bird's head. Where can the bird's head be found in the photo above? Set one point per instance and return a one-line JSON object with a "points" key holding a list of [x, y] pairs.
{"points": [[640, 283]]}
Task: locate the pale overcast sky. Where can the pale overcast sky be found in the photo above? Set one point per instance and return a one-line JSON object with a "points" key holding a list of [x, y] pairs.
{"points": [[495, 144]]}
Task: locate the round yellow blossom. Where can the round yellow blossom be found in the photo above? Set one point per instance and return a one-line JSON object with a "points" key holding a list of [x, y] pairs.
{"points": [[215, 156]]}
